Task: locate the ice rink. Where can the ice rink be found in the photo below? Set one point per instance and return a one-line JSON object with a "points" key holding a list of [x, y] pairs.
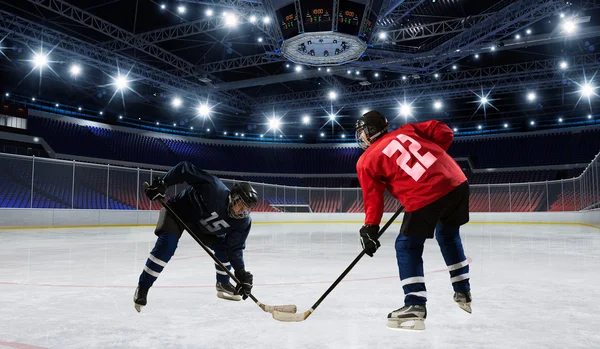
{"points": [[534, 286]]}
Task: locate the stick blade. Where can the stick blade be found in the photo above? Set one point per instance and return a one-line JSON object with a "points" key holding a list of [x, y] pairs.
{"points": [[287, 317], [280, 308]]}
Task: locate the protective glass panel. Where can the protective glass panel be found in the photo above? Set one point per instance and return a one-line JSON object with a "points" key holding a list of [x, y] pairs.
{"points": [[499, 198], [519, 198], [52, 184], [122, 188], [271, 202], [479, 199], [15, 182], [556, 197], [143, 202], [91, 186], [539, 197]]}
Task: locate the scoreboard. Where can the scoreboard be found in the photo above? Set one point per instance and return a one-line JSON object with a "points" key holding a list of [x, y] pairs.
{"points": [[318, 16]]}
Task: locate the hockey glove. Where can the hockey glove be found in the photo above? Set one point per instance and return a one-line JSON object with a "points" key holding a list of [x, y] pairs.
{"points": [[368, 239], [244, 288], [157, 190]]}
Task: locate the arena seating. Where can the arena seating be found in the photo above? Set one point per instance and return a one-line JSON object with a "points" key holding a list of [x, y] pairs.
{"points": [[532, 150], [54, 188]]}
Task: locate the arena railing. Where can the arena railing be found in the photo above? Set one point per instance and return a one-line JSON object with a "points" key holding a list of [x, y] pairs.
{"points": [[33, 182]]}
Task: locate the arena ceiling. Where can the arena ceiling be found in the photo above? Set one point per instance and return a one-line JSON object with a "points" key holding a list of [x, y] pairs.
{"points": [[528, 60]]}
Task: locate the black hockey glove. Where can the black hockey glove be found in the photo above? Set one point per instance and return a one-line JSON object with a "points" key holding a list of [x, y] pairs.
{"points": [[368, 239], [157, 190], [244, 288]]}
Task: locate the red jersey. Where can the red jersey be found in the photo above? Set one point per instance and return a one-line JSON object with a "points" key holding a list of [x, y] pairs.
{"points": [[412, 164]]}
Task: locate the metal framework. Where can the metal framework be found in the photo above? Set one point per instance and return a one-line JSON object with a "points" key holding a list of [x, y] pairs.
{"points": [[298, 9], [171, 33], [334, 15], [399, 9], [184, 68], [239, 63], [66, 48], [437, 28], [498, 25], [364, 20], [543, 74]]}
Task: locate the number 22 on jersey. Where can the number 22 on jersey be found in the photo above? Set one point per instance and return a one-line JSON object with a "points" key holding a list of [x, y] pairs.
{"points": [[423, 161]]}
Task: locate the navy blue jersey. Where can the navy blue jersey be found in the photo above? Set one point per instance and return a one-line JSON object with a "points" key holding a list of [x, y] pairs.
{"points": [[204, 205]]}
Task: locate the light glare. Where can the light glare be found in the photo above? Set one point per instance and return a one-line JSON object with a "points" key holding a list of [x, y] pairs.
{"points": [[332, 95], [437, 105], [40, 60], [231, 20], [203, 110], [75, 69], [305, 120], [405, 110], [587, 90], [209, 12], [177, 102], [531, 96], [121, 82]]}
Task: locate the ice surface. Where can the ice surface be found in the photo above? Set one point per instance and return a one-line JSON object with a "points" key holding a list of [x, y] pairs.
{"points": [[534, 286]]}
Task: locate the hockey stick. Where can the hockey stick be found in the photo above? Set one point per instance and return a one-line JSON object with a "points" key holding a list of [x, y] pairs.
{"points": [[286, 317], [267, 308]]}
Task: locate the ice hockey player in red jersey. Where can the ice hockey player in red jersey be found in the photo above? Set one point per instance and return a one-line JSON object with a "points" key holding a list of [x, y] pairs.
{"points": [[412, 164]]}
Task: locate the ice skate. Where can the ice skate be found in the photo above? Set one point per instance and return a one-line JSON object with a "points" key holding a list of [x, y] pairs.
{"points": [[409, 317], [140, 298], [464, 300], [227, 291]]}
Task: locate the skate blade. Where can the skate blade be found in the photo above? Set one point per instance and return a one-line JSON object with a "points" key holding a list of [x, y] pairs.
{"points": [[466, 307], [408, 325], [138, 307], [228, 297]]}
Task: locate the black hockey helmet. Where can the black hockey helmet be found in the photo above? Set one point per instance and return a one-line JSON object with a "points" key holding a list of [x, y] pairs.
{"points": [[244, 193], [373, 125]]}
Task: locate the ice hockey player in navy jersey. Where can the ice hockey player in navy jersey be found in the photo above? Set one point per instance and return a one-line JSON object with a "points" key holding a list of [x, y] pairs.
{"points": [[217, 215], [412, 164]]}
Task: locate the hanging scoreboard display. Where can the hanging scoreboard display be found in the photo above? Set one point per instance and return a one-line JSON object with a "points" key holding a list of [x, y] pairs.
{"points": [[350, 16], [286, 18], [317, 15]]}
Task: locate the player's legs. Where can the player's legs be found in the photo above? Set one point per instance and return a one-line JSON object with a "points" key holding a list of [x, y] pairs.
{"points": [[221, 254], [452, 250], [409, 251], [225, 289], [168, 232], [450, 243], [163, 250]]}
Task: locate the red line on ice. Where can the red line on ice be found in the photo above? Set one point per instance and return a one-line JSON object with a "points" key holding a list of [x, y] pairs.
{"points": [[19, 345], [469, 259]]}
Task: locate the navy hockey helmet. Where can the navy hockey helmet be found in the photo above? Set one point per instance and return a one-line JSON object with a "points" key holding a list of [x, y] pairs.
{"points": [[370, 127], [245, 194]]}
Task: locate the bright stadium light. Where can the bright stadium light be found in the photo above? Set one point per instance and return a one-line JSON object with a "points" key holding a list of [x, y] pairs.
{"points": [[260, 39], [274, 123], [177, 102], [40, 60], [209, 12], [455, 129], [75, 70], [322, 134], [267, 20], [589, 116], [569, 26], [252, 19], [332, 117], [231, 20], [298, 68], [483, 100], [479, 127], [163, 6], [531, 96], [121, 82], [181, 9], [437, 105], [306, 119], [405, 110], [587, 90], [564, 65], [560, 119], [56, 105], [382, 35], [505, 125], [332, 95], [203, 110]]}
